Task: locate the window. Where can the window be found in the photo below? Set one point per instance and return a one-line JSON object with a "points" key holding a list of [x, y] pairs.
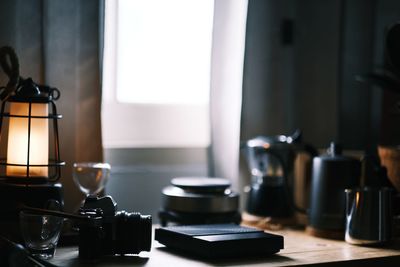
{"points": [[156, 74]]}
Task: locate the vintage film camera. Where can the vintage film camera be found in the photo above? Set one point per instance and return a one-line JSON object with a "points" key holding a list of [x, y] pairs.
{"points": [[104, 231], [110, 232]]}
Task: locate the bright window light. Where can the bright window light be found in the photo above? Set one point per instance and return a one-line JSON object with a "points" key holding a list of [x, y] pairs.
{"points": [[164, 51], [156, 73]]}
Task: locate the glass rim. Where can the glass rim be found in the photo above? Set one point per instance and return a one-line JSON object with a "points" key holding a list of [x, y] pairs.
{"points": [[97, 165], [26, 213]]}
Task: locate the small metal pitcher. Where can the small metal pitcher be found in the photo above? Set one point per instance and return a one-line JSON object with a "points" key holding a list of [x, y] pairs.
{"points": [[369, 216]]}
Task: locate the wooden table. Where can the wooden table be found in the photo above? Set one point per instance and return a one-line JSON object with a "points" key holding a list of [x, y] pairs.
{"points": [[300, 250]]}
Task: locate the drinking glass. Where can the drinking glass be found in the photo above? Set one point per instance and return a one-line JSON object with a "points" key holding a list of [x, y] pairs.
{"points": [[91, 177], [40, 233]]}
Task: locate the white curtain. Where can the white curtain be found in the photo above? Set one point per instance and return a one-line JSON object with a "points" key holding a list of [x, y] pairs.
{"points": [[226, 87]]}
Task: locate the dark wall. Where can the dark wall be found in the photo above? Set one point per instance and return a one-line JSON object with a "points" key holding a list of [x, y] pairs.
{"points": [[357, 127], [317, 59], [388, 12], [268, 70], [309, 82]]}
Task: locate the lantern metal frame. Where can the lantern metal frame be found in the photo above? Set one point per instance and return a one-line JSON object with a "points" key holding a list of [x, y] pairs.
{"points": [[43, 95]]}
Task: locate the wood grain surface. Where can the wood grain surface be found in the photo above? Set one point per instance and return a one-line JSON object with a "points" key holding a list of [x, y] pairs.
{"points": [[300, 249]]}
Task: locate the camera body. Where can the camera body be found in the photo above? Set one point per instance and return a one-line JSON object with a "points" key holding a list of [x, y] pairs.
{"points": [[110, 232]]}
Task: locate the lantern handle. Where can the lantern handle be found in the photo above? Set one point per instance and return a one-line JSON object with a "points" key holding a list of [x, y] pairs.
{"points": [[54, 93], [9, 63]]}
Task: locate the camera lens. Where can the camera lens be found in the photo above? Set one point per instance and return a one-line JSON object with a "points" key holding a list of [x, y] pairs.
{"points": [[132, 233]]}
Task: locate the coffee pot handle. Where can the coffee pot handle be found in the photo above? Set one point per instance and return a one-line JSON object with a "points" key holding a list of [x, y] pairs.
{"points": [[297, 140], [312, 152]]}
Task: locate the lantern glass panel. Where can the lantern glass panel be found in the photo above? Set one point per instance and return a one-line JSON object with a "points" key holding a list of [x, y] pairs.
{"points": [[19, 137]]}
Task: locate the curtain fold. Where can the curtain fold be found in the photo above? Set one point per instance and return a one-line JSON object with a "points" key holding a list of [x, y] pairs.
{"points": [[226, 88], [57, 43]]}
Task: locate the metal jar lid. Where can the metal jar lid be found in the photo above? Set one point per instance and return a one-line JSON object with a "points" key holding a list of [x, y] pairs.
{"points": [[200, 195]]}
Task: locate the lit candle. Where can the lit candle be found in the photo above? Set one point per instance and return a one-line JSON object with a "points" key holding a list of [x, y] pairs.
{"points": [[17, 150]]}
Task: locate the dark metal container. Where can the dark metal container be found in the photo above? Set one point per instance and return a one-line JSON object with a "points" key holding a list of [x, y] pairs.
{"points": [[332, 174], [369, 216]]}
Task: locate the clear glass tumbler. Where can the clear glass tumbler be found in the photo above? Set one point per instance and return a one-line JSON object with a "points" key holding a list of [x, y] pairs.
{"points": [[40, 233]]}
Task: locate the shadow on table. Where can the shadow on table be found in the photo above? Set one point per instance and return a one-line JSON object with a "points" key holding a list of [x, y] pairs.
{"points": [[236, 261], [107, 261]]}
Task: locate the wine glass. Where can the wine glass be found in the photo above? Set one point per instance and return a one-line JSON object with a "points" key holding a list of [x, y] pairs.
{"points": [[91, 177]]}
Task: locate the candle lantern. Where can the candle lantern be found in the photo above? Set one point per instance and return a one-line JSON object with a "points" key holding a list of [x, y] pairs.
{"points": [[29, 145], [30, 111]]}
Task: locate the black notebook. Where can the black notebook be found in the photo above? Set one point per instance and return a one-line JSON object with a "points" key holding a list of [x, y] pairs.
{"points": [[219, 240]]}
